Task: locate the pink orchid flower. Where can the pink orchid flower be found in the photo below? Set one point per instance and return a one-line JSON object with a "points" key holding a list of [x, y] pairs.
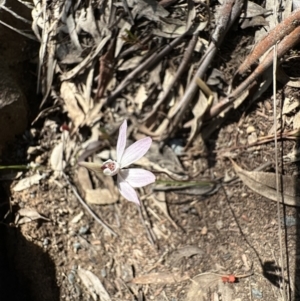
{"points": [[127, 179]]}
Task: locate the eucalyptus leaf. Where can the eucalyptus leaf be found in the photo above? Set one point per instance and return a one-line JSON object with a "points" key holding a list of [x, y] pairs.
{"points": [[264, 183]]}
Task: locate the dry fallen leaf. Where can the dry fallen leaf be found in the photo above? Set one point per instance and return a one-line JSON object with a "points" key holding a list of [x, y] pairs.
{"points": [[94, 285], [296, 121], [289, 105], [28, 182], [28, 215], [149, 9], [264, 183], [86, 21], [198, 111], [56, 159], [73, 103], [140, 97], [255, 21], [253, 10], [184, 252], [84, 178], [161, 278], [100, 196], [205, 283], [131, 63]]}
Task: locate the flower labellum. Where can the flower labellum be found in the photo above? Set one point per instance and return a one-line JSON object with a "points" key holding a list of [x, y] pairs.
{"points": [[127, 179]]}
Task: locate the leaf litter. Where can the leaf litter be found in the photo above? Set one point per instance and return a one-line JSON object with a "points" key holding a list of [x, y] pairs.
{"points": [[85, 51], [27, 215], [93, 285], [265, 184]]}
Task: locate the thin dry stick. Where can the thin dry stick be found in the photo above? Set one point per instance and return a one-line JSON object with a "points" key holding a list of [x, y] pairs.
{"points": [[150, 62], [286, 44], [87, 208], [230, 12], [290, 135], [127, 10], [279, 194], [149, 232], [181, 69], [14, 14], [106, 64]]}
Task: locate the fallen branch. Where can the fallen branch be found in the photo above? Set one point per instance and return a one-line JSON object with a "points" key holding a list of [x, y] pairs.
{"points": [[286, 44], [276, 34]]}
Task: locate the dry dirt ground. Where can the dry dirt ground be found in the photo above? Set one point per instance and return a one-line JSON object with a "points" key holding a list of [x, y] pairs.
{"points": [[231, 231]]}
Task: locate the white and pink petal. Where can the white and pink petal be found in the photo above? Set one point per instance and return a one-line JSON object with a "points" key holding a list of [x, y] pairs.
{"points": [[127, 191], [137, 177], [135, 151]]}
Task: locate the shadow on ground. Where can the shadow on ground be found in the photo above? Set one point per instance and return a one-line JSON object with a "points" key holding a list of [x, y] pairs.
{"points": [[26, 270]]}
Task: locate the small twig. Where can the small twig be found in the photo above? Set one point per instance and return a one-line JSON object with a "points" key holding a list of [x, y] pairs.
{"points": [[87, 208], [230, 12], [22, 167], [290, 135], [106, 68], [126, 8], [278, 187], [150, 62], [27, 35], [181, 69], [27, 4], [198, 119], [14, 14], [107, 60], [189, 179], [149, 232]]}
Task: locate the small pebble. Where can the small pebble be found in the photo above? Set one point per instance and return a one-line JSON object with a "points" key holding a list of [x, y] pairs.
{"points": [[204, 230], [46, 242], [250, 129], [76, 246], [177, 146], [256, 293], [71, 278], [83, 230], [219, 224]]}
